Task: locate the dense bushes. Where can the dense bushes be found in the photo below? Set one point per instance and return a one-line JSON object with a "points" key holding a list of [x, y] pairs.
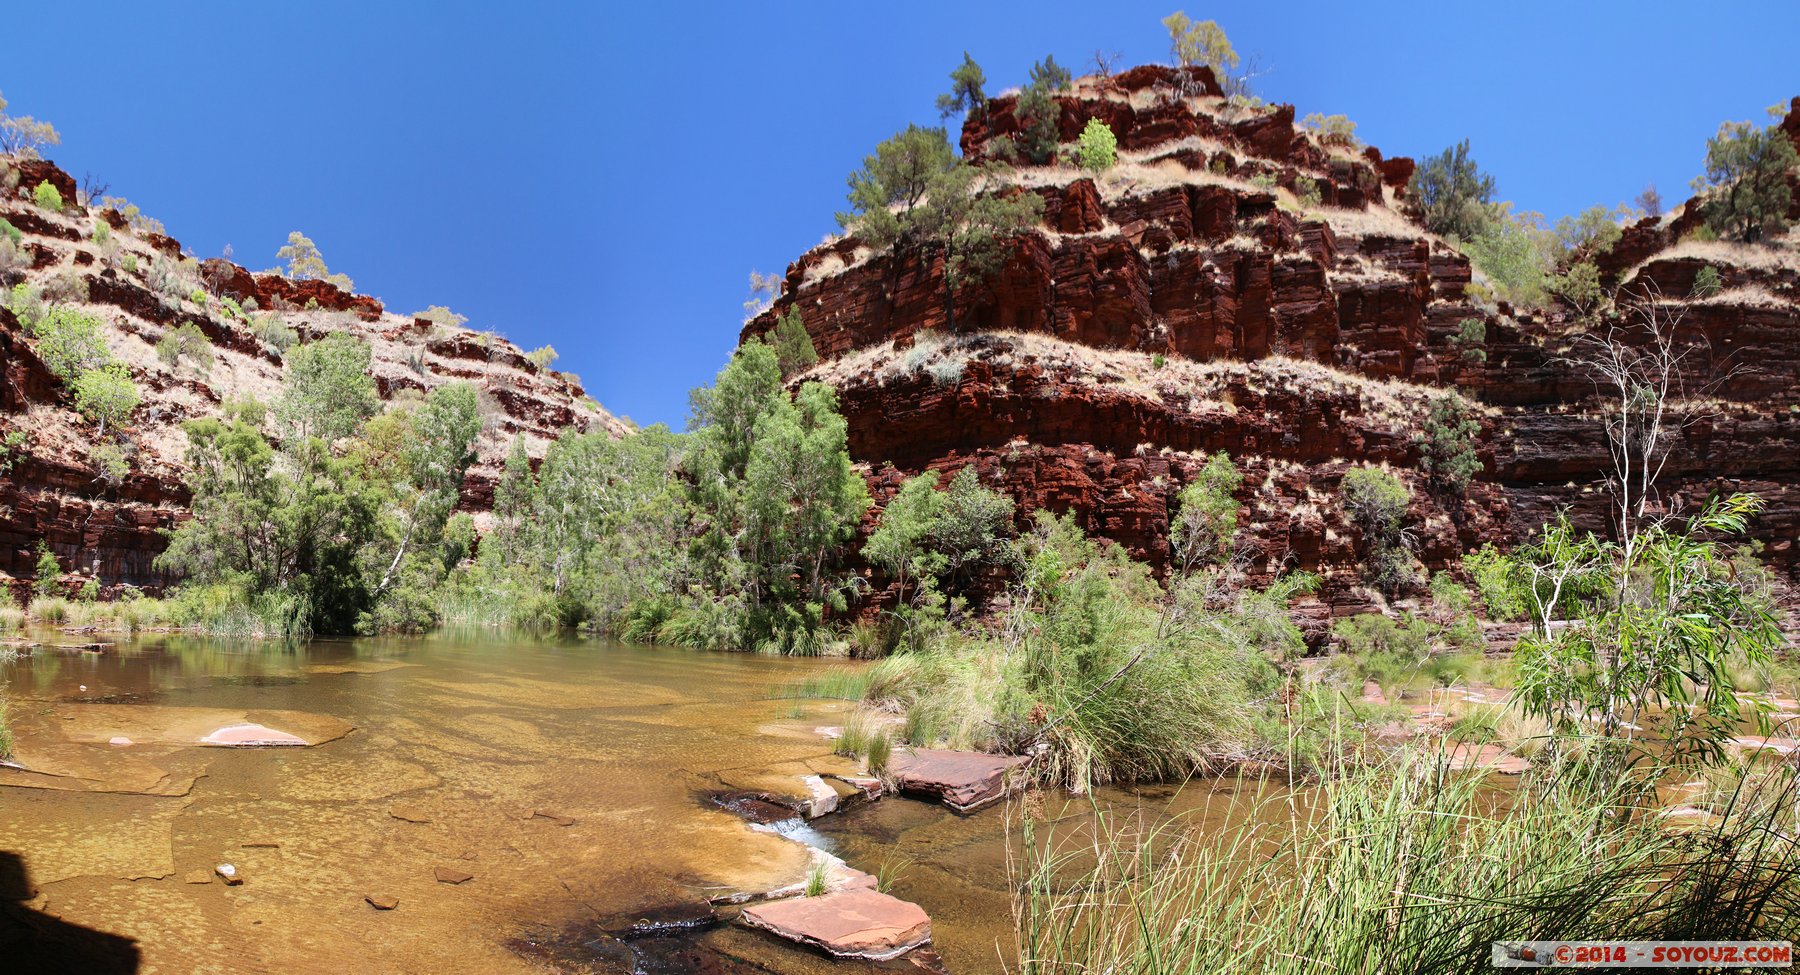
{"points": [[1376, 502]]}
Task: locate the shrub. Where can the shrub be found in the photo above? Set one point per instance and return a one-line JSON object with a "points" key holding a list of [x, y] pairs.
{"points": [[101, 233], [1497, 582], [1204, 525], [47, 197], [186, 341], [1514, 252], [1306, 189], [1448, 444], [1332, 129], [66, 287], [1097, 149], [47, 571], [1745, 183], [68, 341], [106, 395], [1707, 282], [1579, 286], [1469, 338], [440, 315], [1376, 502], [10, 232], [1449, 193], [1592, 231], [542, 357]]}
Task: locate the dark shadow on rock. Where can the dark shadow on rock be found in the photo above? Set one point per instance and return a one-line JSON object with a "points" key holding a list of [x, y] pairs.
{"points": [[35, 943]]}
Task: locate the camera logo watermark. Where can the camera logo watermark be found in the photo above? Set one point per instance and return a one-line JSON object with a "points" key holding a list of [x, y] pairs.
{"points": [[1643, 954]]}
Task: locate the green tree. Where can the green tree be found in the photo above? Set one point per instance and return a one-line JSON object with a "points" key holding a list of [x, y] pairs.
{"points": [[1038, 113], [1514, 252], [69, 342], [1204, 527], [914, 195], [966, 92], [1448, 444], [1745, 186], [1449, 193], [1376, 502], [436, 455], [1205, 43], [22, 136], [1097, 149], [543, 357], [328, 390], [106, 395], [185, 342], [1665, 627], [305, 263], [793, 345], [47, 573]]}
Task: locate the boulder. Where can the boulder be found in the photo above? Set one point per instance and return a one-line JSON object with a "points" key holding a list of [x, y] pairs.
{"points": [[230, 874], [856, 923], [964, 781]]}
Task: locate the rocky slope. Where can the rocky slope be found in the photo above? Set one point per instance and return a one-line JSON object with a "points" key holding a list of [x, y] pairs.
{"points": [[141, 285], [1239, 283]]}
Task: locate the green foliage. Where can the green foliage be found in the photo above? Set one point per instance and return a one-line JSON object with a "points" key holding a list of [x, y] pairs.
{"points": [[1448, 444], [793, 345], [106, 396], [914, 194], [966, 92], [185, 342], [931, 542], [1514, 252], [9, 450], [328, 392], [1097, 149], [1205, 43], [47, 572], [1663, 624], [1470, 339], [1335, 130], [1745, 188], [1203, 529], [304, 262], [1707, 282], [1579, 286], [9, 231], [1376, 502], [47, 197], [1497, 582], [1306, 190], [22, 136], [1592, 231], [440, 315], [101, 233], [1038, 113], [542, 357], [69, 342], [1449, 193]]}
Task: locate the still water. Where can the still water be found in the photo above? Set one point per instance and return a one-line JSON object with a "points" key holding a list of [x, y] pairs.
{"points": [[464, 753]]}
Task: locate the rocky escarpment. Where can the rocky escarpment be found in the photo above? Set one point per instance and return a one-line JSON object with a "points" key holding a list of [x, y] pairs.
{"points": [[108, 528], [1240, 283]]}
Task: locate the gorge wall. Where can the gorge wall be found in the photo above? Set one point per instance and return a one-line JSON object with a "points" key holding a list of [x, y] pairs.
{"points": [[141, 286], [1239, 283]]}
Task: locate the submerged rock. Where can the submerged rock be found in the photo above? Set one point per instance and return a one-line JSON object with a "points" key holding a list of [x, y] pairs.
{"points": [[230, 874], [857, 923], [197, 877], [964, 781], [251, 736], [450, 875], [382, 902]]}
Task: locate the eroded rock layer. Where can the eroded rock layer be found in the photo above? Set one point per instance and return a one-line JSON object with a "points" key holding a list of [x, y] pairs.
{"points": [[1239, 283], [108, 529]]}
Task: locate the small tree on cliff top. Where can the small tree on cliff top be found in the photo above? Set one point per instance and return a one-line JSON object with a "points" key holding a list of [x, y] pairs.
{"points": [[1449, 193], [914, 196], [966, 93], [1745, 184]]}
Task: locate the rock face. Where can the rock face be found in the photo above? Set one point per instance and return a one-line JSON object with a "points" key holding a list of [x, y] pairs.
{"points": [[1237, 283], [108, 529], [855, 923]]}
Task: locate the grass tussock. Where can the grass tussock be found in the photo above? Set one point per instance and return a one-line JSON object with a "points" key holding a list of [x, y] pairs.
{"points": [[1401, 867]]}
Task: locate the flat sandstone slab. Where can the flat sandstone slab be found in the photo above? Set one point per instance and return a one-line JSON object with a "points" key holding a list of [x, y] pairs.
{"points": [[964, 781], [856, 923]]}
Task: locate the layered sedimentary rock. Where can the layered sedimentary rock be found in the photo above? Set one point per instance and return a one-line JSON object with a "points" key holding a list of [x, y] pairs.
{"points": [[1238, 283], [109, 529]]}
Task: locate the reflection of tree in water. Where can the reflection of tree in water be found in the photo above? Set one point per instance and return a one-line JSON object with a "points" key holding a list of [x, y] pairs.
{"points": [[32, 942]]}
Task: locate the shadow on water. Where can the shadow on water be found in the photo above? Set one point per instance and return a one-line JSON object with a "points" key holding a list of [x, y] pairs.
{"points": [[32, 942]]}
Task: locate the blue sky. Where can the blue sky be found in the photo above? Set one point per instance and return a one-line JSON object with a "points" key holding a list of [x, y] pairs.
{"points": [[602, 177]]}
